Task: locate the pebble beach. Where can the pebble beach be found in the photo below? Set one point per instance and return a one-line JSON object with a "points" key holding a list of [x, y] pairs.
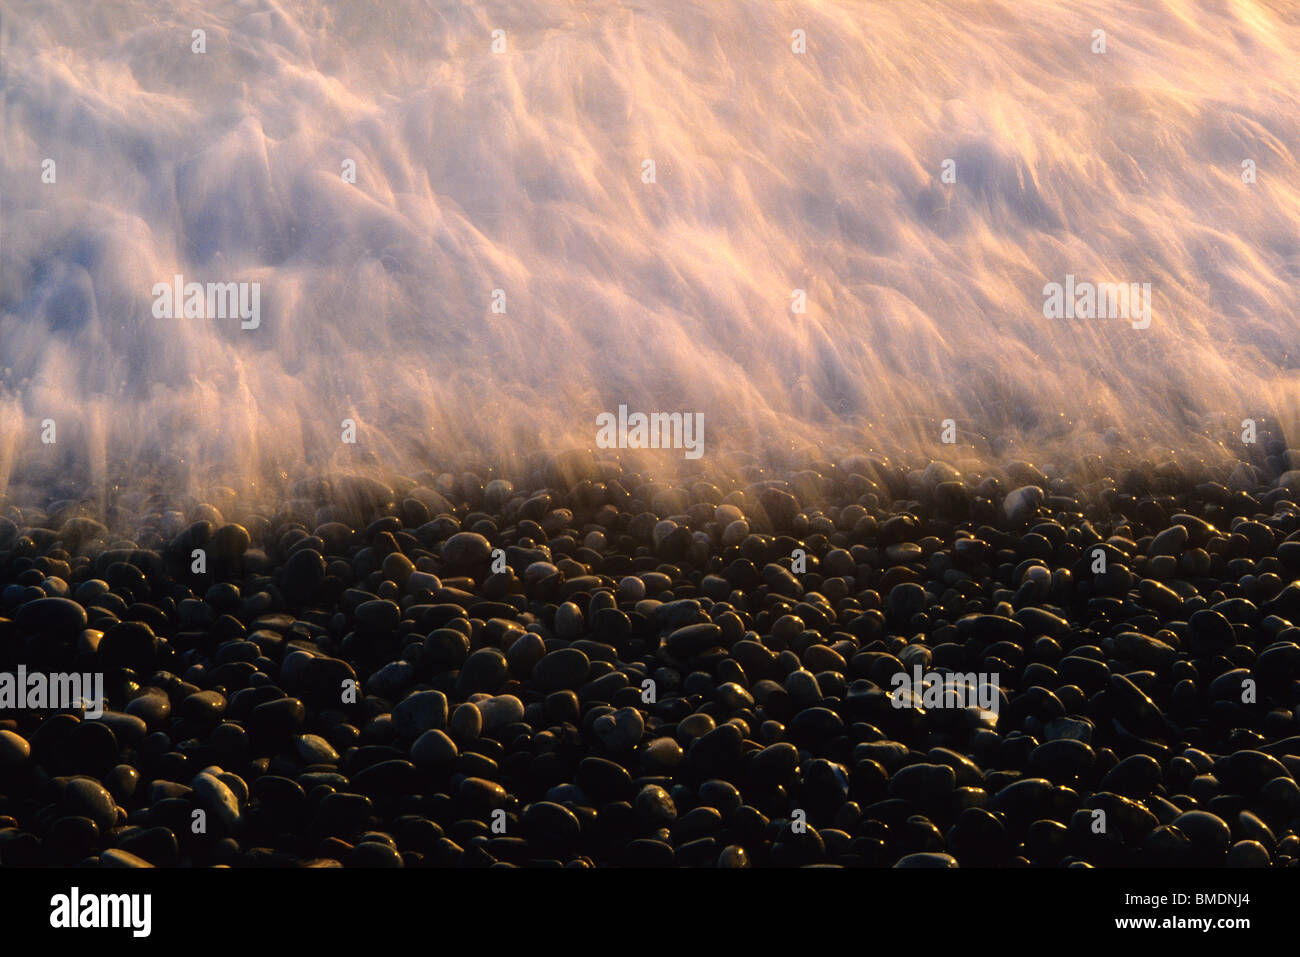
{"points": [[587, 668]]}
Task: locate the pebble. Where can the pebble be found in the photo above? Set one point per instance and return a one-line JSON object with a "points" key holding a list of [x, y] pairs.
{"points": [[814, 725], [694, 639], [524, 654], [777, 762], [88, 798], [1021, 504], [384, 778], [568, 621], [923, 783], [1248, 770], [654, 806], [500, 710], [372, 854], [1209, 632], [661, 756], [479, 795], [485, 670], [1209, 835], [603, 781], [433, 750], [927, 859], [563, 668], [91, 748], [1063, 761], [551, 824], [1136, 776], [1073, 729], [620, 731], [14, 749], [204, 706], [129, 644], [303, 575], [277, 722], [466, 722], [391, 680], [313, 749], [117, 857], [378, 615], [56, 618], [214, 796], [1171, 541], [420, 711], [153, 707], [1248, 854], [466, 548], [733, 697]]}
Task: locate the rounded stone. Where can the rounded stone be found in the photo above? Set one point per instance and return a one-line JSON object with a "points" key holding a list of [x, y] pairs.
{"points": [[204, 706], [1209, 632], [551, 823], [524, 654], [563, 668], [396, 776], [481, 795], [14, 749], [733, 856], [153, 707], [733, 697], [276, 723], [1248, 854], [129, 644], [118, 858], [661, 755], [812, 727], [303, 575], [568, 621], [923, 783], [434, 749], [466, 548], [373, 854], [1136, 776], [91, 748], [500, 710], [655, 806], [603, 781], [484, 671], [419, 712], [122, 781], [229, 541], [391, 680], [86, 797], [1062, 760], [466, 721], [313, 749], [1169, 542], [57, 618], [620, 731], [1209, 834], [446, 649], [378, 615], [927, 859], [694, 639], [905, 600], [777, 762], [218, 800]]}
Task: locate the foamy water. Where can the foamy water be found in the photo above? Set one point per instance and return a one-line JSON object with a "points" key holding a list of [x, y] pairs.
{"points": [[523, 171]]}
